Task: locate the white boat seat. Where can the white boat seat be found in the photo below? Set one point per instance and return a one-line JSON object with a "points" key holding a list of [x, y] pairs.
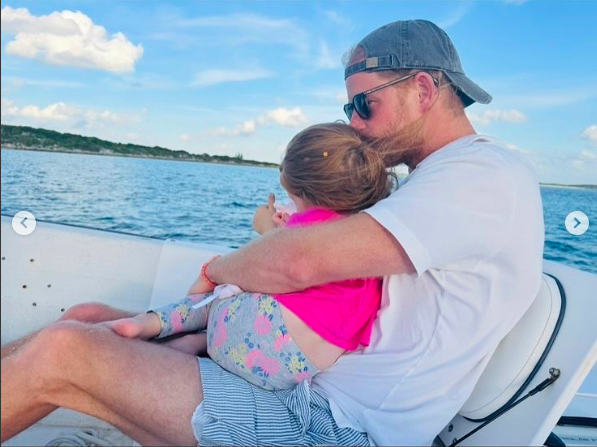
{"points": [[70, 265], [519, 355]]}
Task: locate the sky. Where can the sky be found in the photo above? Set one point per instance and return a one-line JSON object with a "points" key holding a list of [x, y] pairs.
{"points": [[244, 77]]}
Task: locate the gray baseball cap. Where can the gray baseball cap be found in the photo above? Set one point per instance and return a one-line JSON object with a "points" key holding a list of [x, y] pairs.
{"points": [[416, 44]]}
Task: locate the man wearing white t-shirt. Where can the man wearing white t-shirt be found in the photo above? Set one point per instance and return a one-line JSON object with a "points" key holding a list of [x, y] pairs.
{"points": [[459, 245]]}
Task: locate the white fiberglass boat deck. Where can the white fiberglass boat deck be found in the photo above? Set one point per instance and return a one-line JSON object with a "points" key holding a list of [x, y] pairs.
{"points": [[59, 265]]}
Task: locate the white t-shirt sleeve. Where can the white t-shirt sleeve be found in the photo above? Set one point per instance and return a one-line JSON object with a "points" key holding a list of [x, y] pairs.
{"points": [[453, 207]]}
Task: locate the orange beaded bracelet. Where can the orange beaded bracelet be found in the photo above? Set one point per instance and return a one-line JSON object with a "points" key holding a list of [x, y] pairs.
{"points": [[204, 274]]}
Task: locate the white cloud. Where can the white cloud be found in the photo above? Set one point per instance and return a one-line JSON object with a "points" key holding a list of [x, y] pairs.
{"points": [[590, 133], [550, 98], [329, 94], [524, 153], [57, 112], [456, 16], [236, 32], [62, 113], [202, 110], [11, 84], [22, 82], [586, 161], [185, 138], [247, 22], [280, 116], [337, 18], [213, 77], [284, 117], [489, 116], [253, 28], [8, 107], [246, 128], [515, 148], [325, 60], [145, 81], [68, 38]]}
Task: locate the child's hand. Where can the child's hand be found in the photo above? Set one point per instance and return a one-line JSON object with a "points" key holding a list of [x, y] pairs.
{"points": [[280, 219], [142, 326], [200, 286], [263, 219]]}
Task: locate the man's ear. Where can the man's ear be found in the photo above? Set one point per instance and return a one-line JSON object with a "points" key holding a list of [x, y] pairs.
{"points": [[426, 91]]}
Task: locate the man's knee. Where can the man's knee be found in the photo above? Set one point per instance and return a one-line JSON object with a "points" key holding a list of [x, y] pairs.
{"points": [[57, 338], [66, 342], [56, 354], [50, 350]]}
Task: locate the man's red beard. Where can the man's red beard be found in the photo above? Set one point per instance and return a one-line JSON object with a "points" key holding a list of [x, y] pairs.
{"points": [[403, 146]]}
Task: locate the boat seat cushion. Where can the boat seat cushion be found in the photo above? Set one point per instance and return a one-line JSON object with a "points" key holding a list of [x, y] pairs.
{"points": [[517, 354]]}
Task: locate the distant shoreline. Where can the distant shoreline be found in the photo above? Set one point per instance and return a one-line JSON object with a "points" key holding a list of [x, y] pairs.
{"points": [[240, 163], [144, 157], [45, 140], [557, 185]]}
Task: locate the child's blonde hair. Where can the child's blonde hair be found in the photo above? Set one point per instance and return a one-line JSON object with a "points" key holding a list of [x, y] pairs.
{"points": [[331, 165]]}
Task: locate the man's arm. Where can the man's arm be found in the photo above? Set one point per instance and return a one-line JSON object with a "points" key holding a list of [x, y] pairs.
{"points": [[297, 258]]}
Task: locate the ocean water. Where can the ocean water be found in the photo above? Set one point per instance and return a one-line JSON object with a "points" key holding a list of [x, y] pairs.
{"points": [[205, 202], [560, 245], [161, 198]]}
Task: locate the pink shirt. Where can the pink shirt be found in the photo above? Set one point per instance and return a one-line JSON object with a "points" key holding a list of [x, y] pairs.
{"points": [[340, 312]]}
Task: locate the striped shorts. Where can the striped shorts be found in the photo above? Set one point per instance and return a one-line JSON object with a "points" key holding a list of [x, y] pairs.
{"points": [[235, 412]]}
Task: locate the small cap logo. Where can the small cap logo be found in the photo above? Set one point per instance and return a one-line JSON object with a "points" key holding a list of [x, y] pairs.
{"points": [[371, 62]]}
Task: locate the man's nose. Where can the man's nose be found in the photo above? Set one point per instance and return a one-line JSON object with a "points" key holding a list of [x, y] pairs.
{"points": [[356, 122]]}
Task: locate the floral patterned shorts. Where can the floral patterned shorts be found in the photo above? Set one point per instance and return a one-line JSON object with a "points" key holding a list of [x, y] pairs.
{"points": [[247, 336]]}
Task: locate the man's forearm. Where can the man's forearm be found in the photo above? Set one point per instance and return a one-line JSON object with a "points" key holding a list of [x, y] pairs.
{"points": [[297, 258], [269, 264]]}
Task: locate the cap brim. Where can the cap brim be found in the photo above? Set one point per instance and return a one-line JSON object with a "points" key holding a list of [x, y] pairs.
{"points": [[471, 91]]}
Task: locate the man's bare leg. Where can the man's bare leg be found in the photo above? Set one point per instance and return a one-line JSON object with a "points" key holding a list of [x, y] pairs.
{"points": [[194, 344], [147, 391], [87, 312]]}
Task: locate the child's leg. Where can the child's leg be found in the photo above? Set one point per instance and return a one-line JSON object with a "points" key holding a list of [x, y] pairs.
{"points": [[247, 336], [194, 344]]}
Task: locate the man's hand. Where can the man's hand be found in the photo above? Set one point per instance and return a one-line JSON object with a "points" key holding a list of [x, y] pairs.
{"points": [[263, 220]]}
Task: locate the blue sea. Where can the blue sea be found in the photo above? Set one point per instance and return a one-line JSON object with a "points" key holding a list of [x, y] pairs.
{"points": [[205, 202]]}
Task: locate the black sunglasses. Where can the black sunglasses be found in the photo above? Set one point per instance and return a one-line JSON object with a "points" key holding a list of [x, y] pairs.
{"points": [[360, 104]]}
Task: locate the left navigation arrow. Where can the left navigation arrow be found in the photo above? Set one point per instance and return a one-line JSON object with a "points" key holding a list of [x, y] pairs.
{"points": [[19, 220]]}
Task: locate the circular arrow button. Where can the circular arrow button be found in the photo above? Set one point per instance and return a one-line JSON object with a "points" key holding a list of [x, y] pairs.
{"points": [[577, 223], [23, 223]]}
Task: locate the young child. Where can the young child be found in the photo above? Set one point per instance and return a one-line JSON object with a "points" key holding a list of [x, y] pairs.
{"points": [[277, 341]]}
